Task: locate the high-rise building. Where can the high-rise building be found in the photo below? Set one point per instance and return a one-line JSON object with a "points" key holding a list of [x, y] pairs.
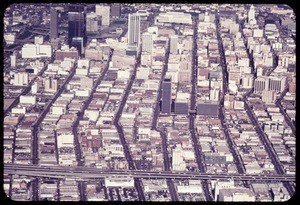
{"points": [[166, 95], [13, 60], [104, 12], [76, 26], [173, 44], [53, 24], [181, 104], [251, 16], [208, 108], [21, 78], [147, 42], [261, 83], [134, 32], [50, 85], [247, 81], [277, 84], [115, 11], [77, 42], [92, 23]]}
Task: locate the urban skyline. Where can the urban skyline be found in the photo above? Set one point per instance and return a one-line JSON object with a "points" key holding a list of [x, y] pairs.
{"points": [[149, 102]]}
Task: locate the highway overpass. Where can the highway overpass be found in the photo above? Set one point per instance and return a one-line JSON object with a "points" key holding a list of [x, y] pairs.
{"points": [[94, 173]]}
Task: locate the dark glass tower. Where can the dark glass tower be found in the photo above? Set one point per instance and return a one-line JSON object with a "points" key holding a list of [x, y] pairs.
{"points": [[76, 26], [53, 24], [166, 95]]}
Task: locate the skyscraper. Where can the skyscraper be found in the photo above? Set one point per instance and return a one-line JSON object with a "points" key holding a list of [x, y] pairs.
{"points": [[53, 24], [104, 12], [251, 16], [261, 83], [147, 42], [76, 26], [166, 95], [134, 32], [115, 11]]}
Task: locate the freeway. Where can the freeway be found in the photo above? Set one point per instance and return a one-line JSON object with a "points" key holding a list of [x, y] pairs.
{"points": [[94, 173]]}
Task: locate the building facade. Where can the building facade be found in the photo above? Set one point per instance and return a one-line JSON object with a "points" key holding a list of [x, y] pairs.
{"points": [[166, 95], [53, 24]]}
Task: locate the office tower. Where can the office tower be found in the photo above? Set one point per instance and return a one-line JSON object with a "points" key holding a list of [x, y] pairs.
{"points": [[181, 105], [91, 23], [247, 81], [260, 84], [115, 11], [277, 83], [76, 26], [13, 60], [53, 24], [134, 24], [21, 78], [208, 108], [166, 95], [50, 85], [251, 16], [173, 44], [77, 42], [104, 12], [147, 42]]}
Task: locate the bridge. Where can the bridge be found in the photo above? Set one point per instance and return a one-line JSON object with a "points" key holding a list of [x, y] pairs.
{"points": [[82, 173]]}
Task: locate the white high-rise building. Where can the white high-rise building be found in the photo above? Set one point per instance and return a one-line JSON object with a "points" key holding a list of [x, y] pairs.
{"points": [[260, 84], [277, 83], [21, 79], [92, 22], [147, 42], [173, 44], [13, 60], [251, 16], [247, 81], [104, 12], [134, 30]]}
